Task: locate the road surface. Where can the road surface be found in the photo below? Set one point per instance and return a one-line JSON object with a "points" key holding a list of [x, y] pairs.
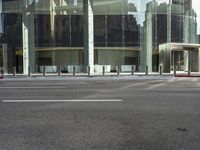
{"points": [[100, 114]]}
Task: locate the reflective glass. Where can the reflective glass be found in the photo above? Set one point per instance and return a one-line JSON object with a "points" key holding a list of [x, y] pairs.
{"points": [[126, 32]]}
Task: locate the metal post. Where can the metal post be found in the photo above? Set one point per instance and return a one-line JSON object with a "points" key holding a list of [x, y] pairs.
{"points": [[1, 74], [179, 61], [88, 70], [59, 71], [118, 70], [132, 70], [173, 60], [147, 70], [44, 71], [189, 63], [74, 71], [174, 70], [189, 69], [161, 70], [103, 70], [14, 71], [29, 71]]}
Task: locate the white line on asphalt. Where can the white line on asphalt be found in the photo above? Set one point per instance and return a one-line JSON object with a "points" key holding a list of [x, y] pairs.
{"points": [[161, 84], [75, 100], [138, 84], [27, 87], [155, 86], [198, 84], [133, 85]]}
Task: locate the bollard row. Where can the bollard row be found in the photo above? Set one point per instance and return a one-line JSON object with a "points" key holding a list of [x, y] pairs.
{"points": [[118, 70]]}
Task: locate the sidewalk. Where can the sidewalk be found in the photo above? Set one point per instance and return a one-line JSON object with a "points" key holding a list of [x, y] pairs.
{"points": [[71, 76]]}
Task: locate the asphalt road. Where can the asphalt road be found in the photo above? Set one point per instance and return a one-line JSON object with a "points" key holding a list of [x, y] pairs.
{"points": [[153, 114]]}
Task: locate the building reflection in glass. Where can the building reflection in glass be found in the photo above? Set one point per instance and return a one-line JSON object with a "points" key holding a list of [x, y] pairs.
{"points": [[126, 32]]}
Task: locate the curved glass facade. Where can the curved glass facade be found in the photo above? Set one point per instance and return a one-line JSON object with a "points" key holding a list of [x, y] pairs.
{"points": [[64, 33]]}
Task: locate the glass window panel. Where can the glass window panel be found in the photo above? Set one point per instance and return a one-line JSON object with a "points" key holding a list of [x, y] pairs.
{"points": [[1, 56], [100, 7], [43, 31], [42, 6], [114, 7], [62, 30], [77, 30], [132, 31], [12, 6], [99, 30], [114, 28], [195, 7], [13, 37], [162, 28]]}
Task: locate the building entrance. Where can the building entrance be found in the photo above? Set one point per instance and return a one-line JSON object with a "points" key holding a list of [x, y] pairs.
{"points": [[180, 56], [178, 60], [185, 60]]}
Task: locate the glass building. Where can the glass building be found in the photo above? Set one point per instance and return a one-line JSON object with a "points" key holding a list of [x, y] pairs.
{"points": [[96, 33]]}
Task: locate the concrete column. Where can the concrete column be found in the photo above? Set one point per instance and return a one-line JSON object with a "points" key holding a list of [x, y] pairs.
{"points": [[149, 43], [28, 37], [52, 23], [186, 60], [169, 21], [5, 59], [88, 35], [52, 18], [146, 53]]}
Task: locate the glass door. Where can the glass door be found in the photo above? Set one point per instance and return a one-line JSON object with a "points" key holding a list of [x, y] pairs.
{"points": [[178, 60]]}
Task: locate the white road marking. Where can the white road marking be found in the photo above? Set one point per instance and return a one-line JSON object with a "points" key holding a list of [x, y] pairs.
{"points": [[194, 79], [155, 86], [198, 84], [26, 87], [138, 84], [160, 84], [75, 100]]}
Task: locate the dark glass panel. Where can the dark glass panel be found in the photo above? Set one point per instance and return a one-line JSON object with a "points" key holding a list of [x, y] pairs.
{"points": [[114, 28], [13, 38], [132, 31], [43, 31], [13, 29], [177, 28], [77, 31], [161, 28], [99, 30], [62, 31]]}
